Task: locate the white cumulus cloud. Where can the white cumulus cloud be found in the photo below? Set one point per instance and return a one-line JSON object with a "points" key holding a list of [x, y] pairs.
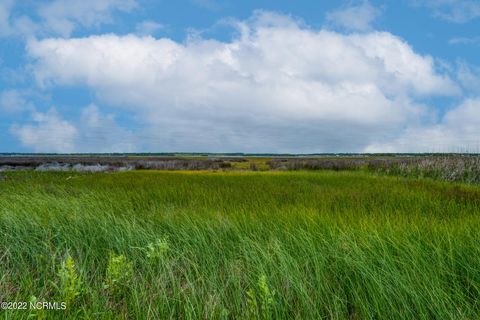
{"points": [[91, 132], [280, 86], [458, 131], [49, 133]]}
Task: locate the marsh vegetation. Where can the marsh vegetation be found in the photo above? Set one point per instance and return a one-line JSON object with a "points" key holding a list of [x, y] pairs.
{"points": [[239, 244]]}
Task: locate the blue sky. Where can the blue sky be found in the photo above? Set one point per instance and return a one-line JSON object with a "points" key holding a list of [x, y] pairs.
{"points": [[239, 76]]}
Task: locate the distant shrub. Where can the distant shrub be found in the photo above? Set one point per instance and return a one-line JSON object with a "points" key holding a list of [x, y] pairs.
{"points": [[185, 164], [92, 168], [451, 168], [54, 166], [105, 164], [316, 164]]}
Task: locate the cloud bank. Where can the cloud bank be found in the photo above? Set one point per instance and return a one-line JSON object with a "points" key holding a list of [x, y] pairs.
{"points": [[279, 86]]}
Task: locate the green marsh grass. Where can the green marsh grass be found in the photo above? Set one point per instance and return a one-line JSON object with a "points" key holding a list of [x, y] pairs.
{"points": [[239, 245]]}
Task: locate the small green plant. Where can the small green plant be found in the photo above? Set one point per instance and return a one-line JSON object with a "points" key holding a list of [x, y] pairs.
{"points": [[260, 300], [266, 295], [70, 283], [118, 275], [158, 249]]}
